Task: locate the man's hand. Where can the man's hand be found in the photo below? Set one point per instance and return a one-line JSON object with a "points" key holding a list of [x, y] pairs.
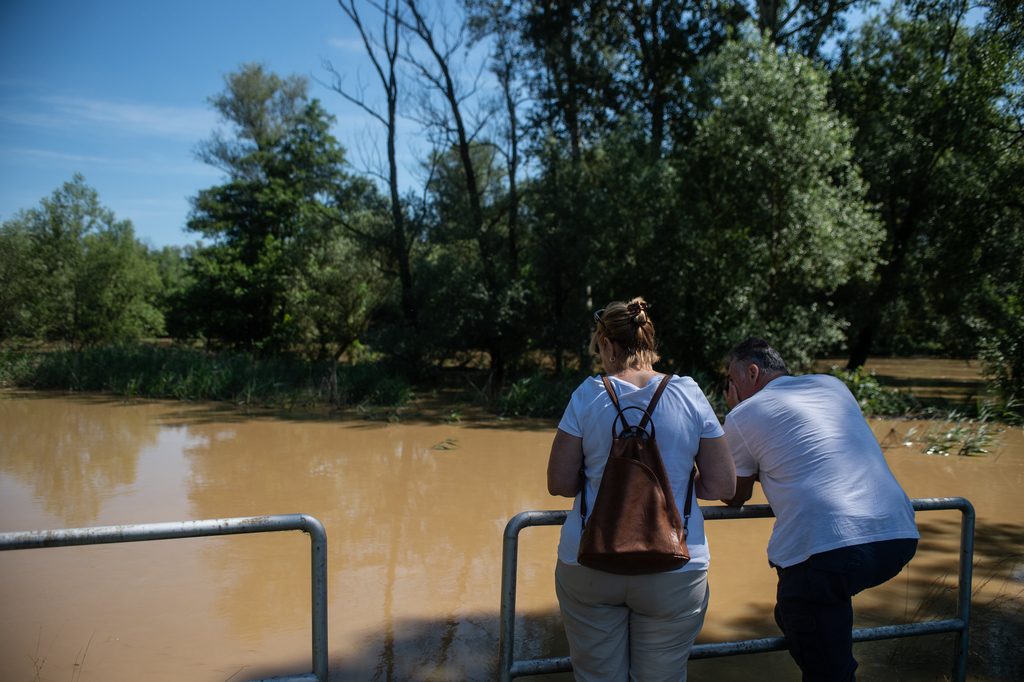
{"points": [[732, 397], [744, 490]]}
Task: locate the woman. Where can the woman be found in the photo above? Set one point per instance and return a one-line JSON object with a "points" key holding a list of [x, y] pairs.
{"points": [[635, 627]]}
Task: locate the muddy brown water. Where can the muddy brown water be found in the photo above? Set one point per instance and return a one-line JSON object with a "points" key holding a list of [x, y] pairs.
{"points": [[414, 514], [927, 378]]}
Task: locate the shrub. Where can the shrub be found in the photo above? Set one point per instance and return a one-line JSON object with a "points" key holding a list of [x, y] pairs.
{"points": [[539, 395], [872, 397]]}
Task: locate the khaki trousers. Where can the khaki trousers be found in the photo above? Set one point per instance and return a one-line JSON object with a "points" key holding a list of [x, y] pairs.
{"points": [[637, 628]]}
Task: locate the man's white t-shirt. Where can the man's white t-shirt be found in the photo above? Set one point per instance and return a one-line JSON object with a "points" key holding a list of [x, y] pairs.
{"points": [[681, 418], [820, 466]]}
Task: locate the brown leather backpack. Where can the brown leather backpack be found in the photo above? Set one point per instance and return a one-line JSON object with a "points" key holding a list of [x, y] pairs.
{"points": [[635, 527]]}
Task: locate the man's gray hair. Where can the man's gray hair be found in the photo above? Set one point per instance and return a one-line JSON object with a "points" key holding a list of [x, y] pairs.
{"points": [[759, 352]]}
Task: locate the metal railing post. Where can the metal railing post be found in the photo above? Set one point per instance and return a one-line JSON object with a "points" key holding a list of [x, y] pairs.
{"points": [[318, 610], [964, 574], [960, 625], [507, 667], [100, 535]]}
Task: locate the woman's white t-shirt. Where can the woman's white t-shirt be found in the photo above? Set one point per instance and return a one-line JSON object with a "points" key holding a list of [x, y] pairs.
{"points": [[681, 418]]}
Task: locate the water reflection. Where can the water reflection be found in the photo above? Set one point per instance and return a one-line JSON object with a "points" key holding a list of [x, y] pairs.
{"points": [[73, 455], [414, 515]]}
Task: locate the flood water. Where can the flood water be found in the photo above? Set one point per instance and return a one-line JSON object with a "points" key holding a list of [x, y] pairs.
{"points": [[414, 514]]}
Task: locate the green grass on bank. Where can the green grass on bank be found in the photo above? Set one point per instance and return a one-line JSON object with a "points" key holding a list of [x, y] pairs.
{"points": [[188, 373], [153, 371]]}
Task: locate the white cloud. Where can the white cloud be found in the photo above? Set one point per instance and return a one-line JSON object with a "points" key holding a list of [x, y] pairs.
{"points": [[135, 165], [190, 123], [57, 156], [352, 44]]}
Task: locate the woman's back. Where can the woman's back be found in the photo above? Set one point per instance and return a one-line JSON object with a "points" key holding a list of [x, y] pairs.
{"points": [[681, 418]]}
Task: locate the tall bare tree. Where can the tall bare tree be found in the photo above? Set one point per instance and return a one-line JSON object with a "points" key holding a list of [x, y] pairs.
{"points": [[383, 50]]}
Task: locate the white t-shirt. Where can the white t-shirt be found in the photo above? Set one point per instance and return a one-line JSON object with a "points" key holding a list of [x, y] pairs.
{"points": [[681, 418], [820, 466]]}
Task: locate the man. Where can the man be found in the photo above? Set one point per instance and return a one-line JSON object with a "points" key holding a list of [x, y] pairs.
{"points": [[843, 523]]}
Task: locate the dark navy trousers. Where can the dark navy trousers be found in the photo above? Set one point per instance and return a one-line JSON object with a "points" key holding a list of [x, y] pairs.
{"points": [[814, 608]]}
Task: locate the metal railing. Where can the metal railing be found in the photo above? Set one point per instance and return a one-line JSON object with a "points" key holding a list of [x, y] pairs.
{"points": [[508, 668], [193, 529]]}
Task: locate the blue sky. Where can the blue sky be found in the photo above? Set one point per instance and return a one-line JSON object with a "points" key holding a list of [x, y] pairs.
{"points": [[116, 90]]}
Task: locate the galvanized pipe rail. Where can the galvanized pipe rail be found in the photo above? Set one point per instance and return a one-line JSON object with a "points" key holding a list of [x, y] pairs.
{"points": [[508, 668], [193, 529]]}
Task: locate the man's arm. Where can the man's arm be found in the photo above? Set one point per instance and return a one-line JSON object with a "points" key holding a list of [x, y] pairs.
{"points": [[744, 489]]}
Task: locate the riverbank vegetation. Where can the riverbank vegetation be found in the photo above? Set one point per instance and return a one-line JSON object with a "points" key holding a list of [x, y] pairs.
{"points": [[836, 190]]}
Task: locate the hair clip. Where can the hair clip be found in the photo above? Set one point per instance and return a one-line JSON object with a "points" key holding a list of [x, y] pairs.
{"points": [[635, 309]]}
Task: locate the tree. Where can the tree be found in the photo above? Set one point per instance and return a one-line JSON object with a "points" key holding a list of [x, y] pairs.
{"points": [[475, 202], [262, 109], [574, 67], [799, 24], [384, 50], [774, 218], [938, 109], [84, 277], [275, 226], [667, 41], [15, 279]]}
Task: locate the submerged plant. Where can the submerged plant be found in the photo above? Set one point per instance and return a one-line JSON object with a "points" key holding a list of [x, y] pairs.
{"points": [[961, 435]]}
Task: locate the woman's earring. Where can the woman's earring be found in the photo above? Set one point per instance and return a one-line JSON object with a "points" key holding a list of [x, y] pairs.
{"points": [[611, 358]]}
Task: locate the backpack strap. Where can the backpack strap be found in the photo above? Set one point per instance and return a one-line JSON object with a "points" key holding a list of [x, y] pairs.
{"points": [[611, 391], [654, 401], [689, 503], [647, 413]]}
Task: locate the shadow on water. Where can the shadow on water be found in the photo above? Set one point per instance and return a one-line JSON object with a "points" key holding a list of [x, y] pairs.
{"points": [[439, 650], [435, 650]]}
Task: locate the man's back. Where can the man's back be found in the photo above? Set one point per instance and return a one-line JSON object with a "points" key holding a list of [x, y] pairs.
{"points": [[820, 467]]}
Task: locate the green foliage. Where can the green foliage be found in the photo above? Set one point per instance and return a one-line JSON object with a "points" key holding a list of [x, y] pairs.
{"points": [[960, 435], [280, 275], [372, 383], [937, 106], [722, 174], [15, 279], [873, 398], [154, 371], [774, 218], [71, 272], [16, 368], [1003, 351], [539, 395]]}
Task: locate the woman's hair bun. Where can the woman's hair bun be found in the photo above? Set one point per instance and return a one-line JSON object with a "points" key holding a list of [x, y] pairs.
{"points": [[638, 311]]}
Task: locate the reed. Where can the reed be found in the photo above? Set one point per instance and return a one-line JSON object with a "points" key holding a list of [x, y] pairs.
{"points": [[961, 435], [183, 373]]}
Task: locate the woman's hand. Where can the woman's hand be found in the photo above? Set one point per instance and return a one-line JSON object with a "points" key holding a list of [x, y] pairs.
{"points": [[564, 465]]}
